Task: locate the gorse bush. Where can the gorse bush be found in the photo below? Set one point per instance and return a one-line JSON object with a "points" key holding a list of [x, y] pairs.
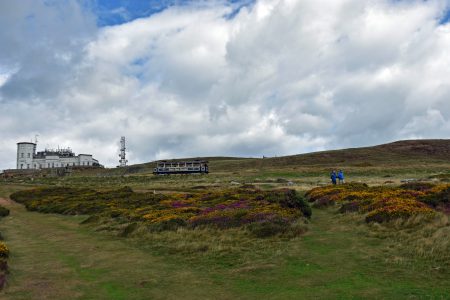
{"points": [[4, 251], [382, 204], [220, 209], [392, 209]]}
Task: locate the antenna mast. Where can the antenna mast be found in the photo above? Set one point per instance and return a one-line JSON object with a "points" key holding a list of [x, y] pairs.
{"points": [[122, 161], [35, 143]]}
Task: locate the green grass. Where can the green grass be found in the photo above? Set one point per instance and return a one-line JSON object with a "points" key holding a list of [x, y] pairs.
{"points": [[68, 261], [336, 261]]}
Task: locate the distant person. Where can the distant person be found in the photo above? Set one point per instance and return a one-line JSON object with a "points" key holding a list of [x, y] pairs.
{"points": [[333, 177], [340, 176]]}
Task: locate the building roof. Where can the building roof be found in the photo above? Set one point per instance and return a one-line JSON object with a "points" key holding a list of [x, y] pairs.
{"points": [[26, 143]]}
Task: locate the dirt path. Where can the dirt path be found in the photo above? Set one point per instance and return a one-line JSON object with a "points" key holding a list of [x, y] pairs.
{"points": [[52, 257]]}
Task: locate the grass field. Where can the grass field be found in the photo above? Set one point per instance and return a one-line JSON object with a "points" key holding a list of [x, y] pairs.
{"points": [[336, 256]]}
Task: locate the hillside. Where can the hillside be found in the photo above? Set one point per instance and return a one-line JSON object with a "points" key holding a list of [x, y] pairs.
{"points": [[399, 153]]}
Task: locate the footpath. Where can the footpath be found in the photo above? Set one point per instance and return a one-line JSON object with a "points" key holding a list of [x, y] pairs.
{"points": [[53, 257]]}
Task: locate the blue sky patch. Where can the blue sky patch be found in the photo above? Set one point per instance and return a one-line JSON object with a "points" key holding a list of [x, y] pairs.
{"points": [[446, 17], [115, 12]]}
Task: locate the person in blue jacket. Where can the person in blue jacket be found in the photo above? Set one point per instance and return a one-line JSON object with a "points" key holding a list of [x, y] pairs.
{"points": [[333, 177], [340, 176]]}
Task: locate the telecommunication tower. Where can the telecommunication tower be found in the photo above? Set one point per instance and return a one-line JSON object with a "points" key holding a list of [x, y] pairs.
{"points": [[122, 161]]}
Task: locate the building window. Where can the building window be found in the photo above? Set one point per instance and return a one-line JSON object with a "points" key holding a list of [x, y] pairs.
{"points": [[28, 166], [21, 166], [21, 155], [48, 165], [53, 164], [35, 166], [28, 155]]}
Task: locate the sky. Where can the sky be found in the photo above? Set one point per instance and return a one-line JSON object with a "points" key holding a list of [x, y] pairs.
{"points": [[248, 78]]}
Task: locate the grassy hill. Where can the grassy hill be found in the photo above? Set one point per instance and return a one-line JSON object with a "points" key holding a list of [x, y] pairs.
{"points": [[398, 153], [388, 163]]}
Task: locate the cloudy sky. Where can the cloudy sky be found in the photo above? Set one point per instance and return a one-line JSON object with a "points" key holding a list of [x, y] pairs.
{"points": [[238, 78]]}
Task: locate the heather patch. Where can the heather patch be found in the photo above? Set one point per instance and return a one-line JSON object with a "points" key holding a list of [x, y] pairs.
{"points": [[220, 209]]}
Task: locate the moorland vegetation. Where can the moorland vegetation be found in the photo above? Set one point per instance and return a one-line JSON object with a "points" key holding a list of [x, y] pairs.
{"points": [[264, 213], [384, 203]]}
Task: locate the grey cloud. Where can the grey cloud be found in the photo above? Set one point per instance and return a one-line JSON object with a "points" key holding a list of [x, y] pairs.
{"points": [[42, 43], [280, 77]]}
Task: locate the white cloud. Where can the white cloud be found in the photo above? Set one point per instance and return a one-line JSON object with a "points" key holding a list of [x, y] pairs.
{"points": [[280, 77]]}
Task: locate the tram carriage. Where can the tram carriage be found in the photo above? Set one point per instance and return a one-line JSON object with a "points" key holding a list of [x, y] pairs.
{"points": [[181, 167]]}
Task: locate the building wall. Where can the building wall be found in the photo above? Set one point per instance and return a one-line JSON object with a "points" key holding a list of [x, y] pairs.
{"points": [[25, 153], [26, 160], [58, 162], [86, 160]]}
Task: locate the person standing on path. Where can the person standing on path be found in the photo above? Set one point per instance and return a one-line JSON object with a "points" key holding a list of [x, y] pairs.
{"points": [[333, 177], [340, 176]]}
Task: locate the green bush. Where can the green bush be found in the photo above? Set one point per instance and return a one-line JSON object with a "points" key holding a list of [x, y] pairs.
{"points": [[4, 211], [435, 199], [293, 200]]}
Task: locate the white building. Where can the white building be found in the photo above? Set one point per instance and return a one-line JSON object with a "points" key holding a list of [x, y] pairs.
{"points": [[28, 158]]}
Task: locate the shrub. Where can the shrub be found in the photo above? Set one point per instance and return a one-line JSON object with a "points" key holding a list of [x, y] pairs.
{"points": [[220, 209], [329, 195], [383, 203], [438, 195], [4, 251], [292, 199], [4, 211], [390, 213]]}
